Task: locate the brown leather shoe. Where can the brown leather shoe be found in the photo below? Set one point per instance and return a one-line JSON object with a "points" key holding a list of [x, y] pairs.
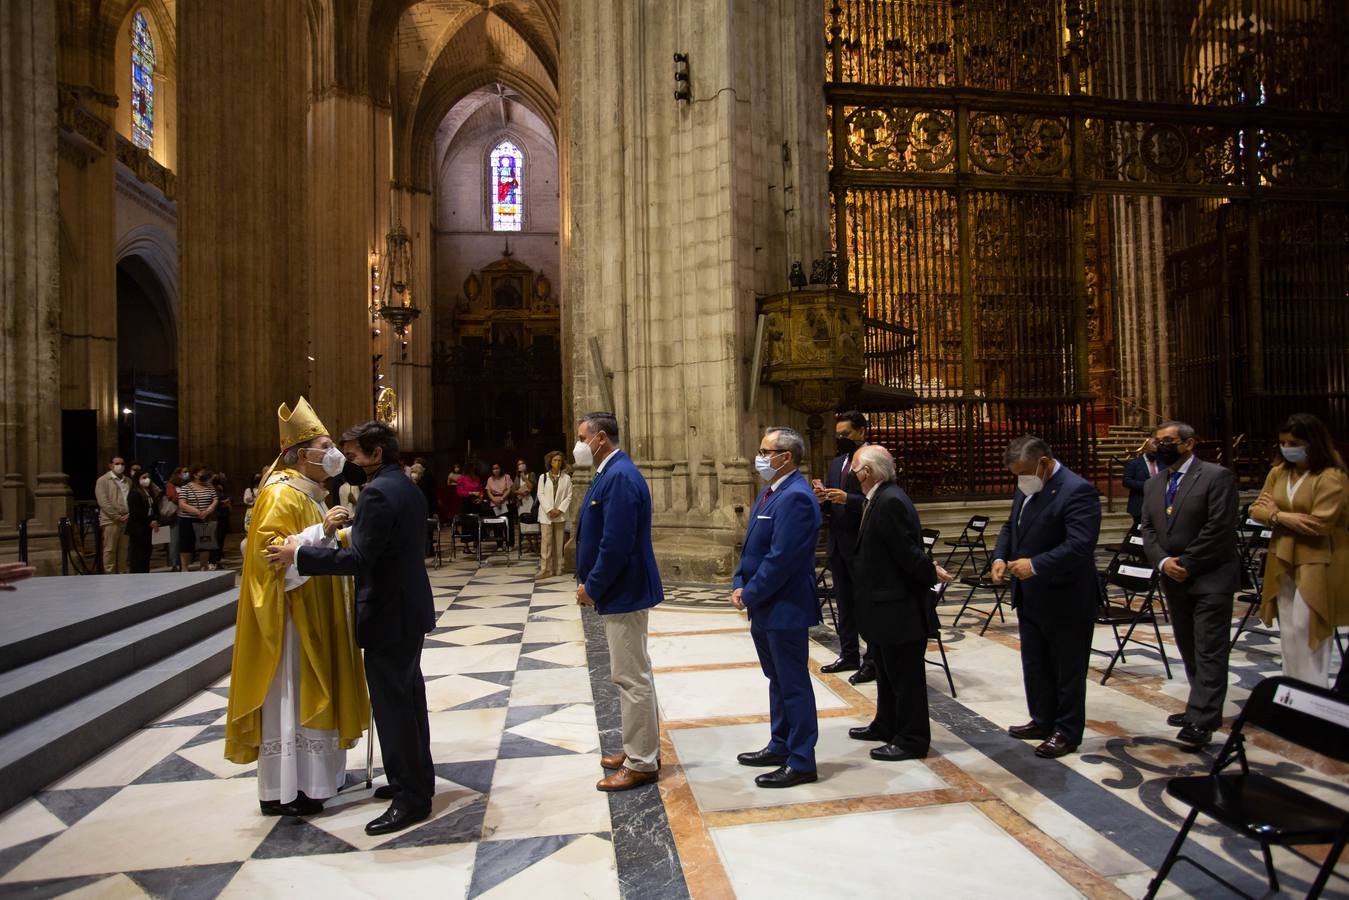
{"points": [[626, 779], [1057, 745], [1028, 732], [614, 760]]}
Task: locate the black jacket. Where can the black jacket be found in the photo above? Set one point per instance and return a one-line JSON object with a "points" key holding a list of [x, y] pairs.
{"points": [[892, 576], [1135, 476], [843, 518], [388, 537]]}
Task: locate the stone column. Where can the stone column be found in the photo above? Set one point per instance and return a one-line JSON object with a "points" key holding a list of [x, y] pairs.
{"points": [[677, 214], [410, 368], [243, 227], [30, 339]]}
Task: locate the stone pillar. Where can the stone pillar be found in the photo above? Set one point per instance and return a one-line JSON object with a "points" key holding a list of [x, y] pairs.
{"points": [[410, 367], [342, 214], [243, 223], [677, 214], [30, 339]]}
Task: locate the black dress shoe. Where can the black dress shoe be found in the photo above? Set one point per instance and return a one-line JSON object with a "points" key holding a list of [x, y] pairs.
{"points": [[894, 753], [785, 777], [386, 792], [867, 672], [1177, 720], [865, 733], [396, 818], [764, 757], [1028, 732], [842, 664], [300, 806], [1057, 745], [1192, 737]]}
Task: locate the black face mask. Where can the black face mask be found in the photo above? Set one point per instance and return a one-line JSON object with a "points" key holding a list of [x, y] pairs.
{"points": [[846, 445], [353, 474], [1168, 454]]}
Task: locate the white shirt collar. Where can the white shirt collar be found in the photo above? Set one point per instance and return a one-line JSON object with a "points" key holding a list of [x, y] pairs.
{"points": [[1185, 466], [781, 480], [600, 467], [874, 488]]}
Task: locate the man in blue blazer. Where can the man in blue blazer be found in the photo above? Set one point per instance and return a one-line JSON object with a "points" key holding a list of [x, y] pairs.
{"points": [[1047, 547], [775, 583], [1137, 471], [616, 574]]}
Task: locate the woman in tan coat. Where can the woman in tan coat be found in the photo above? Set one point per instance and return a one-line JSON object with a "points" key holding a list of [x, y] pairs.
{"points": [[1306, 500]]}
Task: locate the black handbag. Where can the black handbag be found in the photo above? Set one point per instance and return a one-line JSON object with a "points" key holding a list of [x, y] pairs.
{"points": [[204, 536]]}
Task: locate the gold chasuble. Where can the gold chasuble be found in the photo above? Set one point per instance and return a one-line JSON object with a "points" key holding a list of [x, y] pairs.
{"points": [[332, 691]]}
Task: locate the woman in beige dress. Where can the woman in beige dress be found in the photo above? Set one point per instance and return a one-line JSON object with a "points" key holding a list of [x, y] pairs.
{"points": [[1306, 501]]}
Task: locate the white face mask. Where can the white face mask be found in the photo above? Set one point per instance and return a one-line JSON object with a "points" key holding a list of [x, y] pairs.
{"points": [[1030, 484], [334, 460], [118, 469], [145, 482], [585, 458]]}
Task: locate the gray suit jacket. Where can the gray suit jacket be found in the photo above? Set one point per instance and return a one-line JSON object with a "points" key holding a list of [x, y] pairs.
{"points": [[1201, 531]]}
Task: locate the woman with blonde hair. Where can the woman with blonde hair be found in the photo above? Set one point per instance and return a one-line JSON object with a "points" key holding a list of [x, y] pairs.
{"points": [[1306, 501]]}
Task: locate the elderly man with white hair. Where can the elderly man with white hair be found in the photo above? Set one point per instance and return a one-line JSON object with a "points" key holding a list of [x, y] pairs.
{"points": [[893, 580]]}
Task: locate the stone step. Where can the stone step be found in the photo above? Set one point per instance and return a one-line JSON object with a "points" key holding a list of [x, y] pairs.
{"points": [[44, 685], [41, 751]]}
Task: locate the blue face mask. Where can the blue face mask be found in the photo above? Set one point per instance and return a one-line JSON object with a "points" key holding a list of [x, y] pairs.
{"points": [[764, 466], [1294, 455]]}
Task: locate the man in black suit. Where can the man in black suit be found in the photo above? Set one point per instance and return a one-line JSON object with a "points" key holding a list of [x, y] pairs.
{"points": [[1047, 547], [840, 497], [1137, 471], [893, 578], [1189, 534], [394, 612]]}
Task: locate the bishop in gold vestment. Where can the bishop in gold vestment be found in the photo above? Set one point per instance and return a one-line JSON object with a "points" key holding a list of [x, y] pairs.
{"points": [[297, 698]]}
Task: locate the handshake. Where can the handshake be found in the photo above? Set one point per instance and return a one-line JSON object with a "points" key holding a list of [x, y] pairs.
{"points": [[282, 554]]}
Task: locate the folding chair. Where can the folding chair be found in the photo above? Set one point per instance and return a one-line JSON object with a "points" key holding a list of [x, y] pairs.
{"points": [[938, 592], [527, 527], [468, 531], [1252, 543], [1130, 550], [1259, 806], [930, 536], [983, 582], [1136, 582], [500, 526], [824, 586], [971, 537], [433, 539]]}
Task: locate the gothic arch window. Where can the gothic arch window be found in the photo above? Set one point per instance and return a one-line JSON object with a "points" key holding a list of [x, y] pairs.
{"points": [[507, 197], [142, 82]]}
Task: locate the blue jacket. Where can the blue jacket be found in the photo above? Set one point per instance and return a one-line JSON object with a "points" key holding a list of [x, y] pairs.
{"points": [[1058, 534], [614, 558], [1135, 476], [777, 564]]}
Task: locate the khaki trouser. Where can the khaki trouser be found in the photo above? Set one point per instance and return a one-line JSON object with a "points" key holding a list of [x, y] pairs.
{"points": [[630, 671], [114, 547], [551, 536]]}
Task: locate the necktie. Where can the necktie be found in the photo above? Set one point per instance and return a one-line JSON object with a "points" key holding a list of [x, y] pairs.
{"points": [[763, 498], [1171, 485], [1152, 468], [866, 508]]}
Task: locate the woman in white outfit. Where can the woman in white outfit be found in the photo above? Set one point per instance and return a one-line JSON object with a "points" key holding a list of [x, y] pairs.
{"points": [[1306, 500], [554, 502]]}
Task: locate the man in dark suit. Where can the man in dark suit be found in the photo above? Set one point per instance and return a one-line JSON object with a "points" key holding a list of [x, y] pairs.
{"points": [[775, 584], [840, 497], [1137, 471], [894, 579], [616, 574], [394, 612], [1189, 534], [1047, 547]]}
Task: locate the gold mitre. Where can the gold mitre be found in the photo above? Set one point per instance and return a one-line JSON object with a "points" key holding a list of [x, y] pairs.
{"points": [[298, 426]]}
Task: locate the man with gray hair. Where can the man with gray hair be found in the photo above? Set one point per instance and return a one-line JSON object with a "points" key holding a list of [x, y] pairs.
{"points": [[895, 610], [775, 584], [1048, 547]]}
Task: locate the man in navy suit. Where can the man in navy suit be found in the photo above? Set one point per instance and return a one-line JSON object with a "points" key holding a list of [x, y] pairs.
{"points": [[775, 583], [1137, 471], [616, 574], [394, 611], [841, 501], [1047, 547]]}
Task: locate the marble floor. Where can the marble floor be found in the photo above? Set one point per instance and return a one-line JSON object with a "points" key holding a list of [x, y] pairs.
{"points": [[517, 683]]}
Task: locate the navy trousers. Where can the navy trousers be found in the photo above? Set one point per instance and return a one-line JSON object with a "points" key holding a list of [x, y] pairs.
{"points": [[791, 700]]}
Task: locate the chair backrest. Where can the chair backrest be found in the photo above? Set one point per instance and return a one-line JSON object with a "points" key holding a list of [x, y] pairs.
{"points": [[1306, 714], [467, 523], [930, 536], [977, 524], [1130, 576], [1132, 542]]}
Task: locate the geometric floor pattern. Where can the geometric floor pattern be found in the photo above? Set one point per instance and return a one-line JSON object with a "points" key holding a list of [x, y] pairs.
{"points": [[521, 708]]}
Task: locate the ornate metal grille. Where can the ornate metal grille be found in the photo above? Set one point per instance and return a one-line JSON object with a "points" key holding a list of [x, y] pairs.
{"points": [[1093, 211]]}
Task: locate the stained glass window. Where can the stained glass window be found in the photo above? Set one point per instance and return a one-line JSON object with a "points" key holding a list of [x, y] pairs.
{"points": [[508, 187], [142, 83]]}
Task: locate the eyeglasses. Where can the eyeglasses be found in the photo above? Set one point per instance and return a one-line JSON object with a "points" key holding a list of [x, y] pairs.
{"points": [[1168, 443], [769, 452]]}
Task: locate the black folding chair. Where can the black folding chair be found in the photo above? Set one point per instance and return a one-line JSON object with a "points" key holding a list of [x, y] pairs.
{"points": [[468, 531], [1137, 583], [1130, 550], [824, 586], [981, 583], [930, 536], [938, 592], [971, 538], [1259, 806], [433, 539], [1252, 543]]}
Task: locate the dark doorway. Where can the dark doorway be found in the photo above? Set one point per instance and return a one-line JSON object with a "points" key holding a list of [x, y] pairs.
{"points": [[79, 451], [147, 378]]}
